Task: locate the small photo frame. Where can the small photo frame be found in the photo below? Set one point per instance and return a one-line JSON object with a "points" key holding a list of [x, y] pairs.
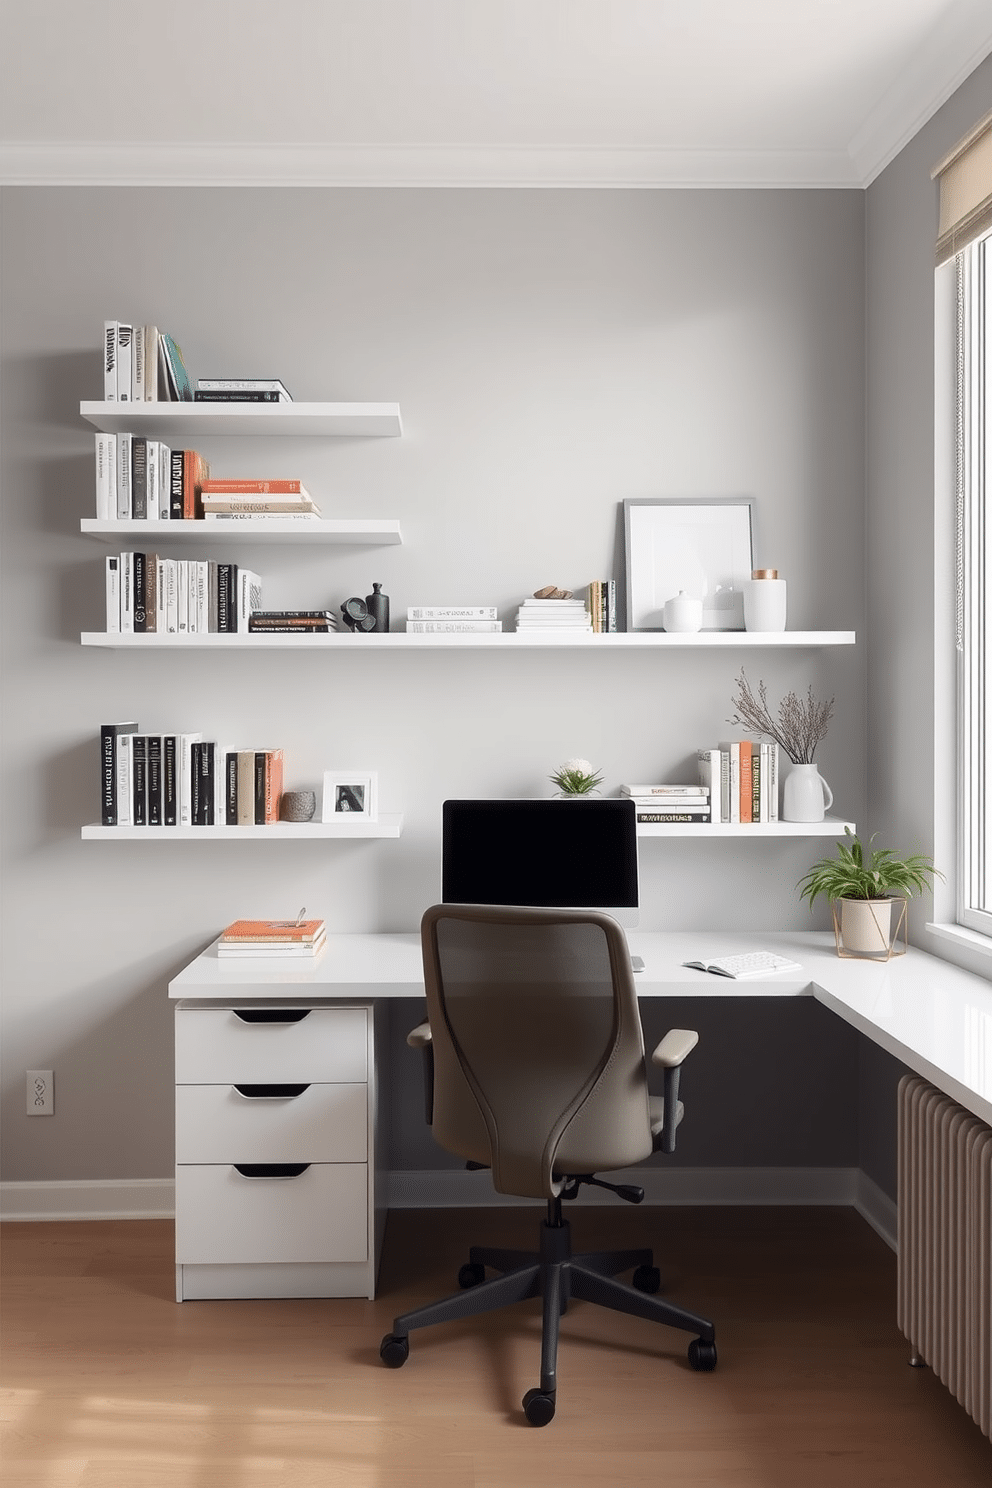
{"points": [[350, 795], [700, 547]]}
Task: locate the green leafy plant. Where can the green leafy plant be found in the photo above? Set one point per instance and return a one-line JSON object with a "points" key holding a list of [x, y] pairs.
{"points": [[576, 777], [864, 872]]}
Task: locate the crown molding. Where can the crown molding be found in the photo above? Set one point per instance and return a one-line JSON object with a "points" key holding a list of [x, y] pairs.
{"points": [[959, 44], [102, 164]]}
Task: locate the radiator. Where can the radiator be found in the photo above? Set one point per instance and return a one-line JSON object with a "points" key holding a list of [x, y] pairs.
{"points": [[945, 1242]]}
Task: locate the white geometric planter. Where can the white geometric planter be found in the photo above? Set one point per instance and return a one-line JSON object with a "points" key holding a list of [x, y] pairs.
{"points": [[864, 927]]}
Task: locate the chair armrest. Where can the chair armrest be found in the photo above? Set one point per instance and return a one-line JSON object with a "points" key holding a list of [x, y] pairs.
{"points": [[419, 1037], [677, 1044]]}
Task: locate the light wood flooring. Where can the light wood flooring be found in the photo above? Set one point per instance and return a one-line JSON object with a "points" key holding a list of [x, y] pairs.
{"points": [[108, 1383]]}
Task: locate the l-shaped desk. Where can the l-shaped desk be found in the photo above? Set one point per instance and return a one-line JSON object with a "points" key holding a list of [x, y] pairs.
{"points": [[276, 1080]]}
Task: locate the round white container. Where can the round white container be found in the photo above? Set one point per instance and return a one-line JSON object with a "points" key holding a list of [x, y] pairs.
{"points": [[684, 613], [764, 600]]}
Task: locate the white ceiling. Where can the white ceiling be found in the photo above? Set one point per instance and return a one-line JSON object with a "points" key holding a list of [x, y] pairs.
{"points": [[500, 92]]}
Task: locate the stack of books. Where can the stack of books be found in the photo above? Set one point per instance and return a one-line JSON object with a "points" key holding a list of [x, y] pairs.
{"points": [[176, 779], [139, 479], [239, 498], [147, 594], [441, 619], [142, 365], [292, 622], [670, 803], [241, 390], [273, 938], [554, 615], [742, 776], [602, 603]]}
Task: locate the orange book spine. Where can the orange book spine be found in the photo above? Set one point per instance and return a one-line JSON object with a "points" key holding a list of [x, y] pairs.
{"points": [[221, 487], [746, 788]]}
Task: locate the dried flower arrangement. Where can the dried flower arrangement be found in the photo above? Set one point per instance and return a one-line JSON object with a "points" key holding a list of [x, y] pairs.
{"points": [[799, 727]]}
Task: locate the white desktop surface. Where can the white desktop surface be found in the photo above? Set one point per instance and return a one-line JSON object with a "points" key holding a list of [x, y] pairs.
{"points": [[934, 1017]]}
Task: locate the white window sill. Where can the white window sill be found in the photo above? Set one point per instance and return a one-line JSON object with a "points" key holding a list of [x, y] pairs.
{"points": [[970, 941]]}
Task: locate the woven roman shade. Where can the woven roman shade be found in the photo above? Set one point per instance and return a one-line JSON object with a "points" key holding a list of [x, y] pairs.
{"points": [[965, 177]]}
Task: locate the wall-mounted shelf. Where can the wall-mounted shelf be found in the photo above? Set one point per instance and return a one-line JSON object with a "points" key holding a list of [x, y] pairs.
{"points": [[370, 533], [247, 420], [511, 641], [830, 827], [386, 826]]}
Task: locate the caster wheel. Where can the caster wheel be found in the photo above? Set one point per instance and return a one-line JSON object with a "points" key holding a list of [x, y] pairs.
{"points": [[538, 1407], [646, 1279], [394, 1351], [702, 1355], [471, 1274]]}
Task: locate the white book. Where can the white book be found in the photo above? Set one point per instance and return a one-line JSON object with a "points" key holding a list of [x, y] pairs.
{"points": [[124, 445], [451, 612], [127, 593], [125, 360], [185, 766], [454, 627], [734, 763], [220, 785], [708, 763], [676, 789], [106, 477], [260, 516], [164, 482], [125, 795], [249, 597], [113, 595], [170, 585], [138, 364], [182, 596], [151, 364], [201, 595], [773, 757], [110, 361], [246, 787], [153, 490], [241, 385]]}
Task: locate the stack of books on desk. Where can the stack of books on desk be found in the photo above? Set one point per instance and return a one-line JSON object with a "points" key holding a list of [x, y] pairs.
{"points": [[273, 938], [670, 803], [554, 615], [452, 619]]}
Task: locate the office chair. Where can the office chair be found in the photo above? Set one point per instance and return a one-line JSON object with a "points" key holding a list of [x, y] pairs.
{"points": [[535, 1069]]}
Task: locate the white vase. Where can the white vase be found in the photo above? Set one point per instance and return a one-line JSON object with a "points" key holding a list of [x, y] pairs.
{"points": [[764, 600], [683, 613], [866, 925], [806, 796]]}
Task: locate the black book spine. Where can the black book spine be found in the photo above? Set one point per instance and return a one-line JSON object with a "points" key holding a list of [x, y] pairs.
{"points": [[216, 395], [170, 780], [139, 780], [108, 776], [231, 788], [139, 477], [176, 467], [140, 613], [260, 769], [227, 591], [206, 784], [195, 784], [153, 772]]}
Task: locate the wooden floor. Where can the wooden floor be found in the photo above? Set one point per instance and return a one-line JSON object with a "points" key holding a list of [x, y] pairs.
{"points": [[107, 1381]]}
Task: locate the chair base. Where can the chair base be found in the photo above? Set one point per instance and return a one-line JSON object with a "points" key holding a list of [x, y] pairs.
{"points": [[556, 1275]]}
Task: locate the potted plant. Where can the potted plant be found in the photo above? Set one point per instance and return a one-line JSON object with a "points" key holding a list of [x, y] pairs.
{"points": [[576, 777], [862, 884]]}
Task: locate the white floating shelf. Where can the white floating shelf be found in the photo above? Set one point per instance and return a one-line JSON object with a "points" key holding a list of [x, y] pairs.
{"points": [[830, 827], [386, 826], [511, 641], [373, 533], [247, 420]]}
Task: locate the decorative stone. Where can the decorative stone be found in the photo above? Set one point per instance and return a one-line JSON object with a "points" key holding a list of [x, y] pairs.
{"points": [[551, 591]]}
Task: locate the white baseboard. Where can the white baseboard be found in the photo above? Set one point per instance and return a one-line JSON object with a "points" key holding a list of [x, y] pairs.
{"points": [[454, 1188]]}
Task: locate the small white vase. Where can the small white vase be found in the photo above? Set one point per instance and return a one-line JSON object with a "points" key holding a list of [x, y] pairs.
{"points": [[806, 796], [764, 600], [683, 614]]}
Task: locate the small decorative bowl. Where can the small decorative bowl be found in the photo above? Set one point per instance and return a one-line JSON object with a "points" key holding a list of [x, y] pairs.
{"points": [[298, 805]]}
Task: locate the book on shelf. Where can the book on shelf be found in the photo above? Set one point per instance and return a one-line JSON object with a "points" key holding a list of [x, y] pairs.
{"points": [[261, 932], [203, 395], [269, 765], [176, 379], [452, 612], [148, 594], [258, 506], [106, 477], [454, 627], [289, 621], [280, 515], [695, 805], [110, 733], [747, 965], [125, 334], [244, 385], [113, 589], [124, 442], [234, 485], [747, 773], [675, 789], [110, 361], [602, 605], [657, 818], [553, 614]]}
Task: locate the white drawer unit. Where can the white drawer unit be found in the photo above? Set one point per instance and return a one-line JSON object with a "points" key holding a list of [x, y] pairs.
{"points": [[276, 1178]]}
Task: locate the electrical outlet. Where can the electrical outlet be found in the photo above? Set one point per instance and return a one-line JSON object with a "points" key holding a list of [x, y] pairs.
{"points": [[41, 1093]]}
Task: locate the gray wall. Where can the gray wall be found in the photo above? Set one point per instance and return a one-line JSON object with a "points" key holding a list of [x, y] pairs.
{"points": [[552, 352]]}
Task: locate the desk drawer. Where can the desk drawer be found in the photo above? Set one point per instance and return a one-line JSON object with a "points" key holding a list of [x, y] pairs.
{"points": [[318, 1123], [218, 1045], [223, 1217]]}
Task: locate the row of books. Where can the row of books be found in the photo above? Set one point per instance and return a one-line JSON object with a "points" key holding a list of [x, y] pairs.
{"points": [[443, 619], [743, 776], [251, 938], [292, 622], [140, 479], [144, 365], [238, 497], [602, 605], [147, 594], [553, 615], [670, 803], [182, 779]]}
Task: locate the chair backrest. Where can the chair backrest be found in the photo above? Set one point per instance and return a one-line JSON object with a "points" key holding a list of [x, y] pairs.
{"points": [[539, 1066]]}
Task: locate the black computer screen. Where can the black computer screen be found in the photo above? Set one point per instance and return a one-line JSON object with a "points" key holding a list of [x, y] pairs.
{"points": [[578, 854]]}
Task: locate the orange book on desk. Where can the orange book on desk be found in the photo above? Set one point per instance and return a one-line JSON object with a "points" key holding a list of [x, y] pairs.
{"points": [[261, 932]]}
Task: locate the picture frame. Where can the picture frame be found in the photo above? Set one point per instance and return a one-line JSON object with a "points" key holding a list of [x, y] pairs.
{"points": [[701, 546], [350, 795]]}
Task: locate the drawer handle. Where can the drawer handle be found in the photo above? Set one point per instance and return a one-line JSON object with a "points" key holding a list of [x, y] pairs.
{"points": [[271, 1170], [271, 1015], [270, 1092]]}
